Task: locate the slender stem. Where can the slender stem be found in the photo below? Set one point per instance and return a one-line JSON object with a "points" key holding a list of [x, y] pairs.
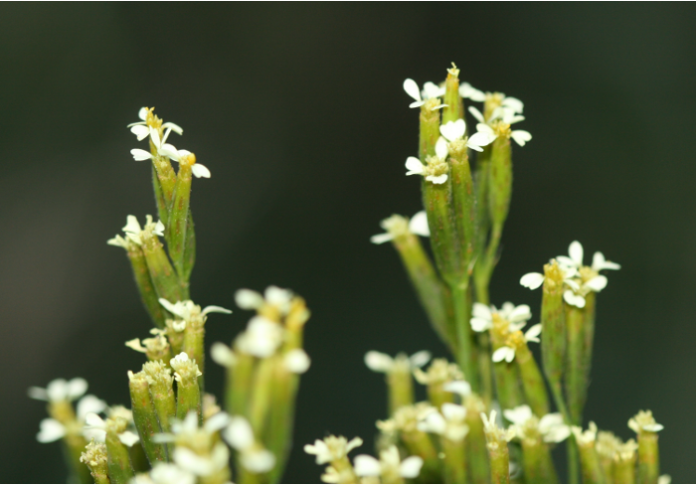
{"points": [[573, 460], [461, 298]]}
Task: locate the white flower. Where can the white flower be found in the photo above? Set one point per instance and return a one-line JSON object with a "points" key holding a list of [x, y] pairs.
{"points": [[202, 465], [51, 429], [60, 390], [454, 130], [332, 448], [551, 427], [141, 130], [397, 226], [507, 353], [296, 361], [575, 257], [379, 362], [164, 149], [274, 296], [430, 91], [516, 316], [450, 423], [585, 437], [261, 338], [187, 310], [389, 465], [487, 133], [466, 90], [493, 431], [435, 170], [644, 421], [532, 280], [95, 429], [589, 278]]}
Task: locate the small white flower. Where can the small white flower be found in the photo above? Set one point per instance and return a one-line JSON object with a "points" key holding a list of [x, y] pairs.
{"points": [[644, 421], [379, 362], [553, 429], [436, 168], [60, 390], [296, 361], [518, 415], [141, 130], [466, 90], [430, 91], [188, 310], [585, 437], [332, 448], [274, 296], [261, 338], [397, 226], [454, 130], [450, 423], [516, 316], [164, 149], [389, 465], [52, 430]]}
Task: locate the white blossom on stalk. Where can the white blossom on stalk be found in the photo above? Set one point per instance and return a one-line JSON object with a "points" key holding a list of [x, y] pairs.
{"points": [[520, 136], [507, 353], [142, 131], [379, 362], [430, 91], [163, 148], [483, 316], [551, 427], [644, 421], [436, 168], [273, 296], [332, 448], [120, 418], [389, 465], [494, 432], [187, 310], [466, 90], [60, 390], [453, 132], [52, 430], [397, 225], [450, 423], [261, 338]]}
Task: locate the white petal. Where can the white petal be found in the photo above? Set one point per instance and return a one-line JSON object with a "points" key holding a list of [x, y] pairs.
{"points": [[599, 263], [200, 171], [411, 467], [169, 473], [222, 354], [277, 296], [89, 404], [572, 299], [140, 155], [521, 136], [433, 423], [462, 388], [532, 280], [367, 466], [440, 179], [576, 253], [141, 131], [258, 461], [239, 434], [480, 139], [416, 104], [654, 428], [172, 308], [50, 430], [248, 299], [520, 313], [93, 420], [159, 229], [532, 335], [297, 361], [514, 119], [453, 412], [142, 114], [466, 90], [411, 89], [76, 387], [513, 103], [453, 130], [378, 362], [441, 148], [154, 136], [419, 359], [484, 128], [381, 238], [482, 311], [480, 324], [38, 393], [476, 114], [566, 262], [169, 150], [215, 309], [504, 353], [217, 422], [519, 415], [419, 224], [596, 284], [191, 462], [174, 127], [414, 166], [432, 90], [128, 438]]}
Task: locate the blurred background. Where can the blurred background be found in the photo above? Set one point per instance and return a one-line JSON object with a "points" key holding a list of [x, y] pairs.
{"points": [[299, 113]]}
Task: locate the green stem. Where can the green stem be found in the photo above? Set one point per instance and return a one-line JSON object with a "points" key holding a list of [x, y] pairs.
{"points": [[648, 457], [466, 357], [575, 375], [573, 460], [120, 469], [533, 383], [455, 461]]}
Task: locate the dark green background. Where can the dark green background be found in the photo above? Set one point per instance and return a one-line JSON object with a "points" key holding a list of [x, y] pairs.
{"points": [[298, 112]]}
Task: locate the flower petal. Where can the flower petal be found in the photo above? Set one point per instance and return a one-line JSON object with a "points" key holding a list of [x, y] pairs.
{"points": [[513, 103], [462, 388], [411, 88], [142, 113], [367, 466], [414, 166], [521, 136], [419, 224], [140, 155], [572, 299], [411, 467], [440, 179], [419, 359], [596, 284], [575, 252], [50, 430], [200, 171], [453, 130], [378, 362], [239, 434], [532, 280], [141, 131], [381, 238], [248, 299], [532, 335], [476, 114], [174, 127], [441, 148]]}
